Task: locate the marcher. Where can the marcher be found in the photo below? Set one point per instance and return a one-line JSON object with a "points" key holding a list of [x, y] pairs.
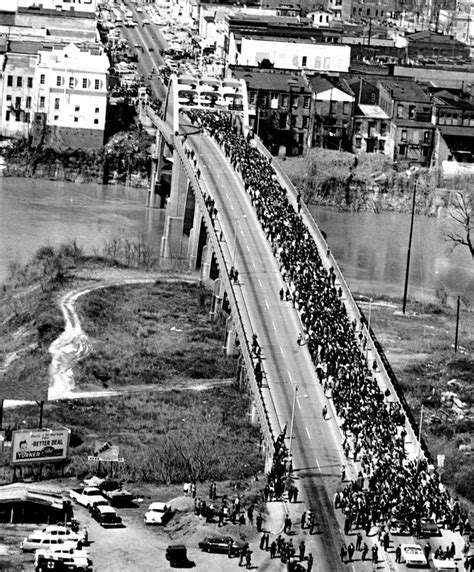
{"points": [[365, 551], [398, 554], [343, 552], [302, 547], [310, 562], [325, 411], [350, 551]]}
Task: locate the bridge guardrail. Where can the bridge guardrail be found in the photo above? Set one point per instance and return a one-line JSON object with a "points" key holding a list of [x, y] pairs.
{"points": [[264, 414], [377, 351]]}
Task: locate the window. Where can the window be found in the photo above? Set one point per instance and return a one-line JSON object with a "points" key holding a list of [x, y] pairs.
{"points": [[41, 102], [402, 150], [358, 127], [327, 63], [10, 81], [411, 112], [58, 81], [96, 84], [317, 62], [18, 116], [358, 142], [76, 119], [383, 129], [284, 101], [9, 97], [305, 121], [19, 81], [333, 108], [403, 136], [30, 82], [253, 97], [371, 129], [97, 110], [76, 109], [56, 103], [283, 120], [96, 122], [7, 115], [42, 79], [381, 145], [426, 136], [71, 82], [304, 61], [373, 95], [306, 101], [295, 61], [84, 83], [346, 108], [27, 117], [17, 102], [28, 102], [399, 110], [56, 117]]}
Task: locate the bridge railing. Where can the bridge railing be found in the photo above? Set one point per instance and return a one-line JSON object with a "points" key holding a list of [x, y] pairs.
{"points": [[386, 372], [267, 415]]}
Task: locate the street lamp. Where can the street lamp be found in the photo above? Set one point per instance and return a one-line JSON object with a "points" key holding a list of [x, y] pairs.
{"points": [[407, 272], [292, 422], [234, 241]]}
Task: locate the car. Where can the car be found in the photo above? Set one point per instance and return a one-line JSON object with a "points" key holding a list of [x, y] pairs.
{"points": [[60, 553], [115, 493], [151, 49], [221, 544], [177, 556], [157, 513], [106, 516], [399, 527], [429, 527], [34, 542], [444, 565], [413, 555]]}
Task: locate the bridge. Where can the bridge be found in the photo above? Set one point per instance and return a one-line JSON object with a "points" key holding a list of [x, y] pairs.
{"points": [[213, 227]]}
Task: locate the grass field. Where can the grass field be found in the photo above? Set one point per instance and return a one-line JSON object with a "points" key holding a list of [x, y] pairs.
{"points": [[419, 346]]}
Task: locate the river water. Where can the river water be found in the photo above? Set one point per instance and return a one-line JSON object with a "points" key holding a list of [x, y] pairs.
{"points": [[35, 212], [370, 248]]}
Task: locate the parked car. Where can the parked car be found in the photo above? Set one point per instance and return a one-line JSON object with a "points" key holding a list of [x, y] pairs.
{"points": [[86, 496], [66, 554], [157, 513], [106, 516], [429, 527], [53, 562], [177, 556], [413, 555], [36, 541], [444, 565], [399, 527], [116, 494], [221, 544]]}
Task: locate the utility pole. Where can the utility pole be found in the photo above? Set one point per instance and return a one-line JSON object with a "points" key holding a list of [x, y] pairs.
{"points": [[407, 272], [458, 307]]}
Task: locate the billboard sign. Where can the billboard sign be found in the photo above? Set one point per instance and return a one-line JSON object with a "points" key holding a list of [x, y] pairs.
{"points": [[40, 446]]}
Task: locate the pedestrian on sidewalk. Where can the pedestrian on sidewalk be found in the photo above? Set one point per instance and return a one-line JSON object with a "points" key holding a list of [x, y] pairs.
{"points": [[358, 541], [287, 525], [282, 294], [310, 562], [303, 520], [343, 552], [267, 540], [325, 411], [273, 549], [343, 473], [398, 554], [365, 551], [262, 542], [302, 547], [350, 551], [259, 521]]}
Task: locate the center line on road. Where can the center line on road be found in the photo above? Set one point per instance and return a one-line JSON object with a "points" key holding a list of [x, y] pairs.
{"points": [[281, 349], [308, 432], [266, 304], [289, 375], [248, 248], [319, 467], [274, 327], [260, 282], [298, 402], [254, 265]]}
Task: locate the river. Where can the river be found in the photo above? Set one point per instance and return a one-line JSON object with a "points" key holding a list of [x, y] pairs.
{"points": [[36, 212], [370, 248]]}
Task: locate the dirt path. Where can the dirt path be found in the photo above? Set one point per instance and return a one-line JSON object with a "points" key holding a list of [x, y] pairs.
{"points": [[73, 344]]}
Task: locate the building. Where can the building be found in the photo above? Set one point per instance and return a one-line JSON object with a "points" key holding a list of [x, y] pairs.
{"points": [[433, 46], [333, 103], [279, 108], [411, 131], [453, 115], [371, 130]]}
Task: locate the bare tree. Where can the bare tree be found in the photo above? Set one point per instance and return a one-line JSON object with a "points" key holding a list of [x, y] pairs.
{"points": [[459, 228]]}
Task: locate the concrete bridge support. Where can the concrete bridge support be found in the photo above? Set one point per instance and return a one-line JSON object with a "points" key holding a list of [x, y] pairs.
{"points": [[157, 163], [194, 236], [174, 246]]}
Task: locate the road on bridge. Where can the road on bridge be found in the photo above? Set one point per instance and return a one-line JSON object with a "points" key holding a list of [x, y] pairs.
{"points": [[290, 382]]}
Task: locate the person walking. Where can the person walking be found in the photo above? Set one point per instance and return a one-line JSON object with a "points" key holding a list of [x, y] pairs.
{"points": [[358, 541], [310, 562], [398, 554], [343, 552], [325, 411], [365, 551], [302, 547], [350, 551], [287, 524]]}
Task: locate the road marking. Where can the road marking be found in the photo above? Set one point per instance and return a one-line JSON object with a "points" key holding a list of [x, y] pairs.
{"points": [[317, 463], [289, 375], [274, 327], [260, 282], [308, 432], [254, 265], [248, 248], [266, 304], [281, 349], [298, 402]]}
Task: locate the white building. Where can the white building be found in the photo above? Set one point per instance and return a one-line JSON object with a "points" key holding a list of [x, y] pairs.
{"points": [[59, 95], [60, 5], [290, 54]]}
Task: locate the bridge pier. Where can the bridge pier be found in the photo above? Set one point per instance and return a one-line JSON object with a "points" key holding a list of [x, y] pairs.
{"points": [[194, 235], [174, 242], [157, 163]]}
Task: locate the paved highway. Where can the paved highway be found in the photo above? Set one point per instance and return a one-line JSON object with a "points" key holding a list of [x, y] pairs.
{"points": [[290, 373]]}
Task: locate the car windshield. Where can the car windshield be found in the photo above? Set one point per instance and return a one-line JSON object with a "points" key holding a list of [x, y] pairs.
{"points": [[413, 550]]}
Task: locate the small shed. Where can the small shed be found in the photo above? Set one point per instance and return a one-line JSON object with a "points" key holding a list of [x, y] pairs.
{"points": [[33, 503]]}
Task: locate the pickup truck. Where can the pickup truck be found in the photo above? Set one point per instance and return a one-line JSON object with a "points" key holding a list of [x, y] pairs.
{"points": [[86, 496]]}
